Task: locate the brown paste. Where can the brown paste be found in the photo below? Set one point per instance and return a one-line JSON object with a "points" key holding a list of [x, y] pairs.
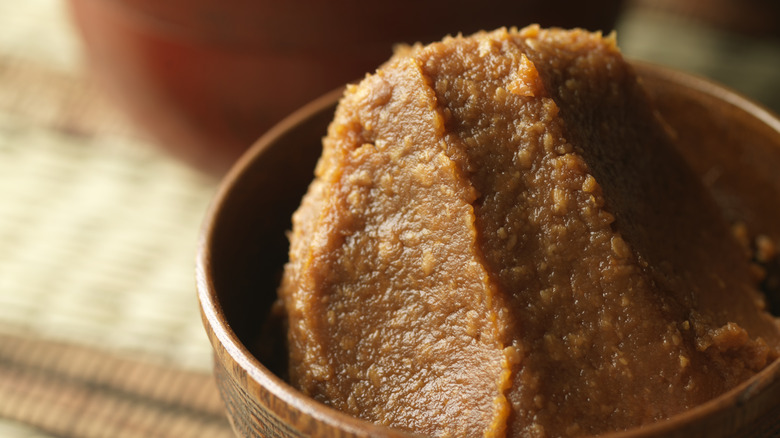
{"points": [[501, 241]]}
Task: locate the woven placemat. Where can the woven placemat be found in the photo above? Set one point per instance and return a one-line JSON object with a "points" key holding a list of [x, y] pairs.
{"points": [[73, 391], [97, 234], [98, 229], [100, 334]]}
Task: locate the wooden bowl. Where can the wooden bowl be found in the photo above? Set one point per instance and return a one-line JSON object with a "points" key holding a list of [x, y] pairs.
{"points": [[732, 143]]}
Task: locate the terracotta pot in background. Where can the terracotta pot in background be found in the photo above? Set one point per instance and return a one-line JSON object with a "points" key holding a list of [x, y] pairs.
{"points": [[208, 77]]}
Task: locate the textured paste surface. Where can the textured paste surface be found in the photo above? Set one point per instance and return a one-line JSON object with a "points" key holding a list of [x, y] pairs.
{"points": [[501, 241]]}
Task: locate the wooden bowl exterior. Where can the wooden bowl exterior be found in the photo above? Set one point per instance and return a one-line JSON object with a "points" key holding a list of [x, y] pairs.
{"points": [[731, 142]]}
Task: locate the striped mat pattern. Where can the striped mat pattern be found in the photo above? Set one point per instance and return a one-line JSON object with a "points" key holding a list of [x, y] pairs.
{"points": [[69, 390], [100, 334]]}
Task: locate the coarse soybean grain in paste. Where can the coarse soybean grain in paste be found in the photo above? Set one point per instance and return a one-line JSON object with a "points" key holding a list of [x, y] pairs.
{"points": [[501, 241]]}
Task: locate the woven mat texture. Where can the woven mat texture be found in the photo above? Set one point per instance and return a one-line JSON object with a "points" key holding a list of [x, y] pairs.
{"points": [[100, 334]]}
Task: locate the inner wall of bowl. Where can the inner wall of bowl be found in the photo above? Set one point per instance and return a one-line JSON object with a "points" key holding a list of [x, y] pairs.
{"points": [[734, 151], [250, 243]]}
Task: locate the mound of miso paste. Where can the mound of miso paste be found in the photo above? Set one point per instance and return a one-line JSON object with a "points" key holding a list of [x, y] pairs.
{"points": [[502, 241]]}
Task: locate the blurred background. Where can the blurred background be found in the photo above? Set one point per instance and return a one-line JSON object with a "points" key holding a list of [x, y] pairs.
{"points": [[117, 120]]}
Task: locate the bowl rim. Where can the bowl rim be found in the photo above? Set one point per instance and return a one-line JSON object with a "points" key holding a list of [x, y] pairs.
{"points": [[225, 341]]}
